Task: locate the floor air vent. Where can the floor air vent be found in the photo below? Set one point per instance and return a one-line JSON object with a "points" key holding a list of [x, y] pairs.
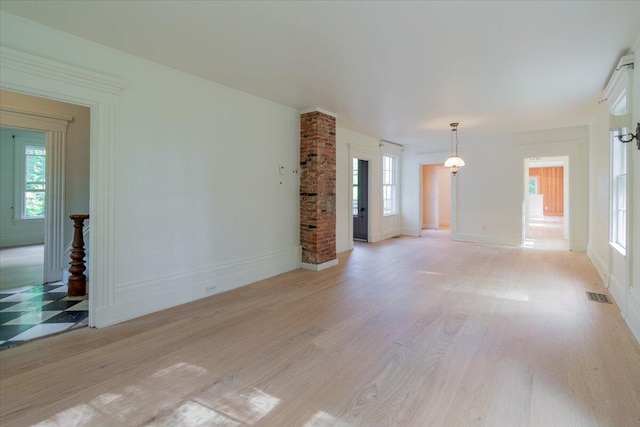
{"points": [[598, 297]]}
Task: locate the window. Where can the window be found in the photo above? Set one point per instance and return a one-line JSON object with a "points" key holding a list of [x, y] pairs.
{"points": [[619, 179], [34, 182], [389, 185], [533, 185], [30, 178], [355, 188]]}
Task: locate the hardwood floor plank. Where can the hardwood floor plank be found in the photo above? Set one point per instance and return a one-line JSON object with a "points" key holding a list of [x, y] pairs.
{"points": [[405, 332]]}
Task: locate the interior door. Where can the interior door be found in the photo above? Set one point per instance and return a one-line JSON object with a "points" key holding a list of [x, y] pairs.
{"points": [[360, 199]]}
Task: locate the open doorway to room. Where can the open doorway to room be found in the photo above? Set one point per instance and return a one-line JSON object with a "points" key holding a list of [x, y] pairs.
{"points": [[436, 198], [546, 224], [49, 150]]}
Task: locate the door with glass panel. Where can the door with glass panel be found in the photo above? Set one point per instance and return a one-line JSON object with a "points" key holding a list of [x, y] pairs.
{"points": [[360, 208]]}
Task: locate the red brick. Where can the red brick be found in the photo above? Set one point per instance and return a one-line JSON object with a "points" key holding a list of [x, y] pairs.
{"points": [[317, 187]]}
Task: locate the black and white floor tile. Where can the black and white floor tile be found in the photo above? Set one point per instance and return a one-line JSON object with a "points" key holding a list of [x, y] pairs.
{"points": [[35, 311]]}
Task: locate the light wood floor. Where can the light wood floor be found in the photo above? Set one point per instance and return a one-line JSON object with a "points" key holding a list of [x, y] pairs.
{"points": [[21, 266], [406, 332], [546, 233]]}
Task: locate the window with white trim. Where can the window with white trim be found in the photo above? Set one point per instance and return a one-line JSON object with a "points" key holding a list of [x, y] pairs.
{"points": [[618, 235], [354, 170], [30, 179], [389, 184]]}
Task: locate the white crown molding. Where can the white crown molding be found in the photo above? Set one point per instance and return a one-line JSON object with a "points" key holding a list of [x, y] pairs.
{"points": [[622, 70], [40, 67]]}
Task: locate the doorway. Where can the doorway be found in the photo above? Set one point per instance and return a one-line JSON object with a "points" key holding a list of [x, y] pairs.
{"points": [[22, 207], [360, 207], [546, 203], [436, 197], [50, 155]]}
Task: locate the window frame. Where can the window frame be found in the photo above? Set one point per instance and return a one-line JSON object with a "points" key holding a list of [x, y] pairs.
{"points": [[354, 187], [20, 179], [618, 176], [389, 184]]}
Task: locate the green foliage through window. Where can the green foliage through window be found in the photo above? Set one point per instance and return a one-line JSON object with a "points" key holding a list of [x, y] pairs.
{"points": [[34, 181]]}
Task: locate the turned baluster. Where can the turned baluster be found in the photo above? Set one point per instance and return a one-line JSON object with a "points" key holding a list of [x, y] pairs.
{"points": [[77, 281]]}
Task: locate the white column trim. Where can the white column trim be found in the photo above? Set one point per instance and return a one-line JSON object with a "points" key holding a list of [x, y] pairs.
{"points": [[54, 206]]}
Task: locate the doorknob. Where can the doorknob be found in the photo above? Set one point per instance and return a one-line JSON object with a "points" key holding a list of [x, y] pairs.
{"points": [[362, 209]]}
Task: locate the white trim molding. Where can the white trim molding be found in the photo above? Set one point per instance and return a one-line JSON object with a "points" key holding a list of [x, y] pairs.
{"points": [[319, 267], [578, 208], [32, 75], [600, 265], [133, 301], [34, 120]]}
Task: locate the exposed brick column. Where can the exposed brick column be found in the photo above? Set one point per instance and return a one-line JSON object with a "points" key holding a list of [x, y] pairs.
{"points": [[318, 190]]}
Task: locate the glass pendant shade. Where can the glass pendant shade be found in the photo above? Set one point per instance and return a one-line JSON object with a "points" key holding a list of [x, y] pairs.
{"points": [[454, 161]]}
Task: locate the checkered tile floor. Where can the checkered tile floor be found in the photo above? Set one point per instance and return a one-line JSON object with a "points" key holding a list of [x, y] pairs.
{"points": [[35, 311]]}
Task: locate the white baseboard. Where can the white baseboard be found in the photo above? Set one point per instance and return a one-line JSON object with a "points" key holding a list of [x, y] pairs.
{"points": [[616, 287], [430, 226], [600, 265], [132, 299], [633, 315], [319, 267], [390, 233], [411, 232]]}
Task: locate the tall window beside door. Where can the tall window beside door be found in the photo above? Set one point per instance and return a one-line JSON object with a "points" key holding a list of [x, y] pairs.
{"points": [[389, 185], [354, 171], [619, 178]]}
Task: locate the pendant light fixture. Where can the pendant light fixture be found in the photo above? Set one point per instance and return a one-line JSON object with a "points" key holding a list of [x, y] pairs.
{"points": [[454, 161]]}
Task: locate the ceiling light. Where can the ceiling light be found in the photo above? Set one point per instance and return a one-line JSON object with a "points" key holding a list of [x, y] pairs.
{"points": [[454, 161]]}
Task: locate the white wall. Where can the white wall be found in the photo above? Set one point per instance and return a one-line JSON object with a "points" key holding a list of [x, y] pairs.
{"points": [[199, 206], [489, 191], [599, 191], [620, 273], [15, 232], [77, 149], [350, 144]]}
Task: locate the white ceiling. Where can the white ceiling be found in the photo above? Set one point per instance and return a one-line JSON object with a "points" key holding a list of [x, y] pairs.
{"points": [[399, 71]]}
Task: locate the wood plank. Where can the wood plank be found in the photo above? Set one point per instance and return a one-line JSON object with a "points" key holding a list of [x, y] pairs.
{"points": [[405, 332]]}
